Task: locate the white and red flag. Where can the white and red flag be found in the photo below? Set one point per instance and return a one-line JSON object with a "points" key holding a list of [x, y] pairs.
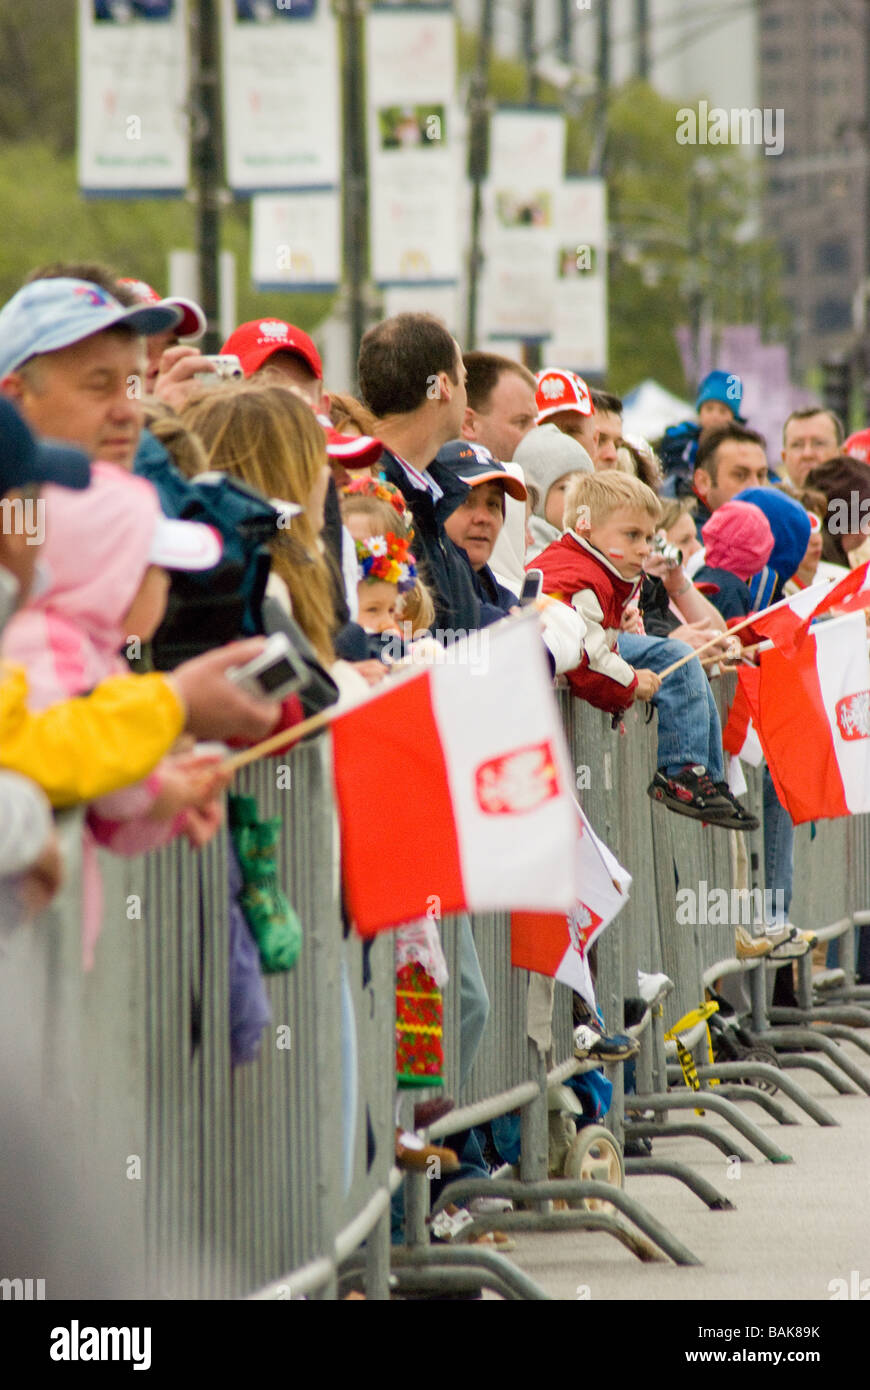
{"points": [[812, 712], [454, 787], [739, 736], [787, 623], [557, 944]]}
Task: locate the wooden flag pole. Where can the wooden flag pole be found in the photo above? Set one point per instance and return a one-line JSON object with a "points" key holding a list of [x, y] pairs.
{"points": [[278, 741]]}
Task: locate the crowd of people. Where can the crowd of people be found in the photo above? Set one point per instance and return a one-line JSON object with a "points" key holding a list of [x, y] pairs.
{"points": [[188, 514]]}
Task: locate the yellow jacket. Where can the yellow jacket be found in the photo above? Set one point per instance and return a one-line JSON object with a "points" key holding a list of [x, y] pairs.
{"points": [[86, 747]]}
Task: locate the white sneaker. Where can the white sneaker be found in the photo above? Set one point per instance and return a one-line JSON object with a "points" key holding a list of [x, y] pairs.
{"points": [[652, 988], [788, 943], [484, 1206]]}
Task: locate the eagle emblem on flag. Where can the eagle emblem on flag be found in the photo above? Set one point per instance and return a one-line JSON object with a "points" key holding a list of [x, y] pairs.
{"points": [[517, 782], [853, 715]]}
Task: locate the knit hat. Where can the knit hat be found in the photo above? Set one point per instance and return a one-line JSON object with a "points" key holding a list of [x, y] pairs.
{"points": [[545, 455], [725, 387], [738, 538]]}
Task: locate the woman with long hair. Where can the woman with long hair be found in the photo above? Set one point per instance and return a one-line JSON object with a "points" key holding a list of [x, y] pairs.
{"points": [[269, 438]]}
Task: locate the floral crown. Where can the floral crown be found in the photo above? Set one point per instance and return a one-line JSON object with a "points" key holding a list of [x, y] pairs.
{"points": [[375, 487], [386, 558]]}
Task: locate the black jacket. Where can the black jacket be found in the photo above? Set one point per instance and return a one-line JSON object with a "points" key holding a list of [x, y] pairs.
{"points": [[445, 566]]}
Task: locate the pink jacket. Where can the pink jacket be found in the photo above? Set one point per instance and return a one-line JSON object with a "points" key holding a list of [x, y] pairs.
{"points": [[69, 637]]}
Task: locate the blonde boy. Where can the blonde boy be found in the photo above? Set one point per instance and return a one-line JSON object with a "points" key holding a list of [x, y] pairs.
{"points": [[597, 568]]}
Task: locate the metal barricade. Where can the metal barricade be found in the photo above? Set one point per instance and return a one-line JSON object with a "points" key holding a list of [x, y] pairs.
{"points": [[207, 1181]]}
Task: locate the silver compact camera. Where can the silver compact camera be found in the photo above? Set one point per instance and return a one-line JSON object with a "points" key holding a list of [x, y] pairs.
{"points": [[226, 367], [671, 554]]}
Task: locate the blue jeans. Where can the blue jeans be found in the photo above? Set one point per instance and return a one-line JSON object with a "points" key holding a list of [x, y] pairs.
{"points": [[778, 850], [689, 729]]}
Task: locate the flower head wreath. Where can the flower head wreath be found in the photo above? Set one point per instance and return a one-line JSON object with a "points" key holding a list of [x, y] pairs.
{"points": [[386, 558], [375, 487]]}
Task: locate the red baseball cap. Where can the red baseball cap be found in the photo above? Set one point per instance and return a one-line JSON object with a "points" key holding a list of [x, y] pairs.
{"points": [[192, 324], [353, 450], [557, 389], [255, 342], [858, 445]]}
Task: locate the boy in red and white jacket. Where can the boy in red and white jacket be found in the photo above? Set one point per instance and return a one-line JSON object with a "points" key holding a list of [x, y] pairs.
{"points": [[596, 566]]}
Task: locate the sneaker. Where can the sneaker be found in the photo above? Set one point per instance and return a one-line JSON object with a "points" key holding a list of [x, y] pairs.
{"points": [[485, 1206], [746, 818], [652, 988], [616, 1047], [787, 944], [633, 1010], [413, 1155], [751, 947], [691, 793]]}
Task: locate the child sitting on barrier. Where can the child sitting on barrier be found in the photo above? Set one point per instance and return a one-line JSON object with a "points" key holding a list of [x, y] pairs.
{"points": [[108, 550], [596, 567]]}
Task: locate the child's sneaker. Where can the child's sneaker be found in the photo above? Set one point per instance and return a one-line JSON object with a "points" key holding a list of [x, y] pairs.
{"points": [[749, 947], [692, 793], [746, 818]]}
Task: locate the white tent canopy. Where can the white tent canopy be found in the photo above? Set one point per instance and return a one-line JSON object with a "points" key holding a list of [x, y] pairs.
{"points": [[649, 409]]}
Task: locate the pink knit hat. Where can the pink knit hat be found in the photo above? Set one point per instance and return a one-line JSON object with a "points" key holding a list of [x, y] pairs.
{"points": [[738, 538]]}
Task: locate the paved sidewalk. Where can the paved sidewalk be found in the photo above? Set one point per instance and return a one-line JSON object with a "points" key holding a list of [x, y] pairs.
{"points": [[797, 1226]]}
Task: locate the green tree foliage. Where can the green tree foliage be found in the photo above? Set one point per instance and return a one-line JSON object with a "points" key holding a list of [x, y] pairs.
{"points": [[46, 219]]}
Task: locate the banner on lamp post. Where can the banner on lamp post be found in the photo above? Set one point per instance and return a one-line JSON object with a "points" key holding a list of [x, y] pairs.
{"points": [[296, 240], [132, 98], [526, 171], [281, 95], [580, 326], [413, 146]]}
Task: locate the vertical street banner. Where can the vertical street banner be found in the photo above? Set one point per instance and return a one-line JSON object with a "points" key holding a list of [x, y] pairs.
{"points": [[132, 98], [296, 240], [580, 325], [281, 95], [526, 172], [413, 148]]}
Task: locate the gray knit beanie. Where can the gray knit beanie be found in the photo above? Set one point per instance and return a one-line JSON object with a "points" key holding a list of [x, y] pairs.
{"points": [[546, 455]]}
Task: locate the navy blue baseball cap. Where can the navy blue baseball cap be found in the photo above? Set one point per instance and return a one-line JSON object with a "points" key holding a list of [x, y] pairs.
{"points": [[48, 315], [474, 464], [24, 459]]}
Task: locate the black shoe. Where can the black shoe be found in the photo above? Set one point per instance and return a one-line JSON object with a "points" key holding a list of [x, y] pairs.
{"points": [[691, 793], [633, 1010], [746, 818]]}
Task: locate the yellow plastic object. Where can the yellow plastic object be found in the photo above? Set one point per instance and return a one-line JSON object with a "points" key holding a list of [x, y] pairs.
{"points": [[687, 1061]]}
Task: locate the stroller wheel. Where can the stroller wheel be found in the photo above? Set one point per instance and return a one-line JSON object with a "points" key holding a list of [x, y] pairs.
{"points": [[594, 1156]]}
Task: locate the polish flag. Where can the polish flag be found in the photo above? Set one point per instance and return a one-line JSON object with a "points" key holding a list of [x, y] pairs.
{"points": [[812, 713], [557, 944], [454, 787], [850, 595], [739, 736], [786, 623]]}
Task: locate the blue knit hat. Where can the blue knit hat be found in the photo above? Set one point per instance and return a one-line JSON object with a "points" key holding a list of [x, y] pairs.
{"points": [[725, 387]]}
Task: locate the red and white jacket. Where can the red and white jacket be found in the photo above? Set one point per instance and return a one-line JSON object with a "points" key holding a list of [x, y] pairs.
{"points": [[578, 574]]}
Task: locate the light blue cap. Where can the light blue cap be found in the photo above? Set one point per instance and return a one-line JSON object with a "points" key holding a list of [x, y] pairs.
{"points": [[51, 314]]}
